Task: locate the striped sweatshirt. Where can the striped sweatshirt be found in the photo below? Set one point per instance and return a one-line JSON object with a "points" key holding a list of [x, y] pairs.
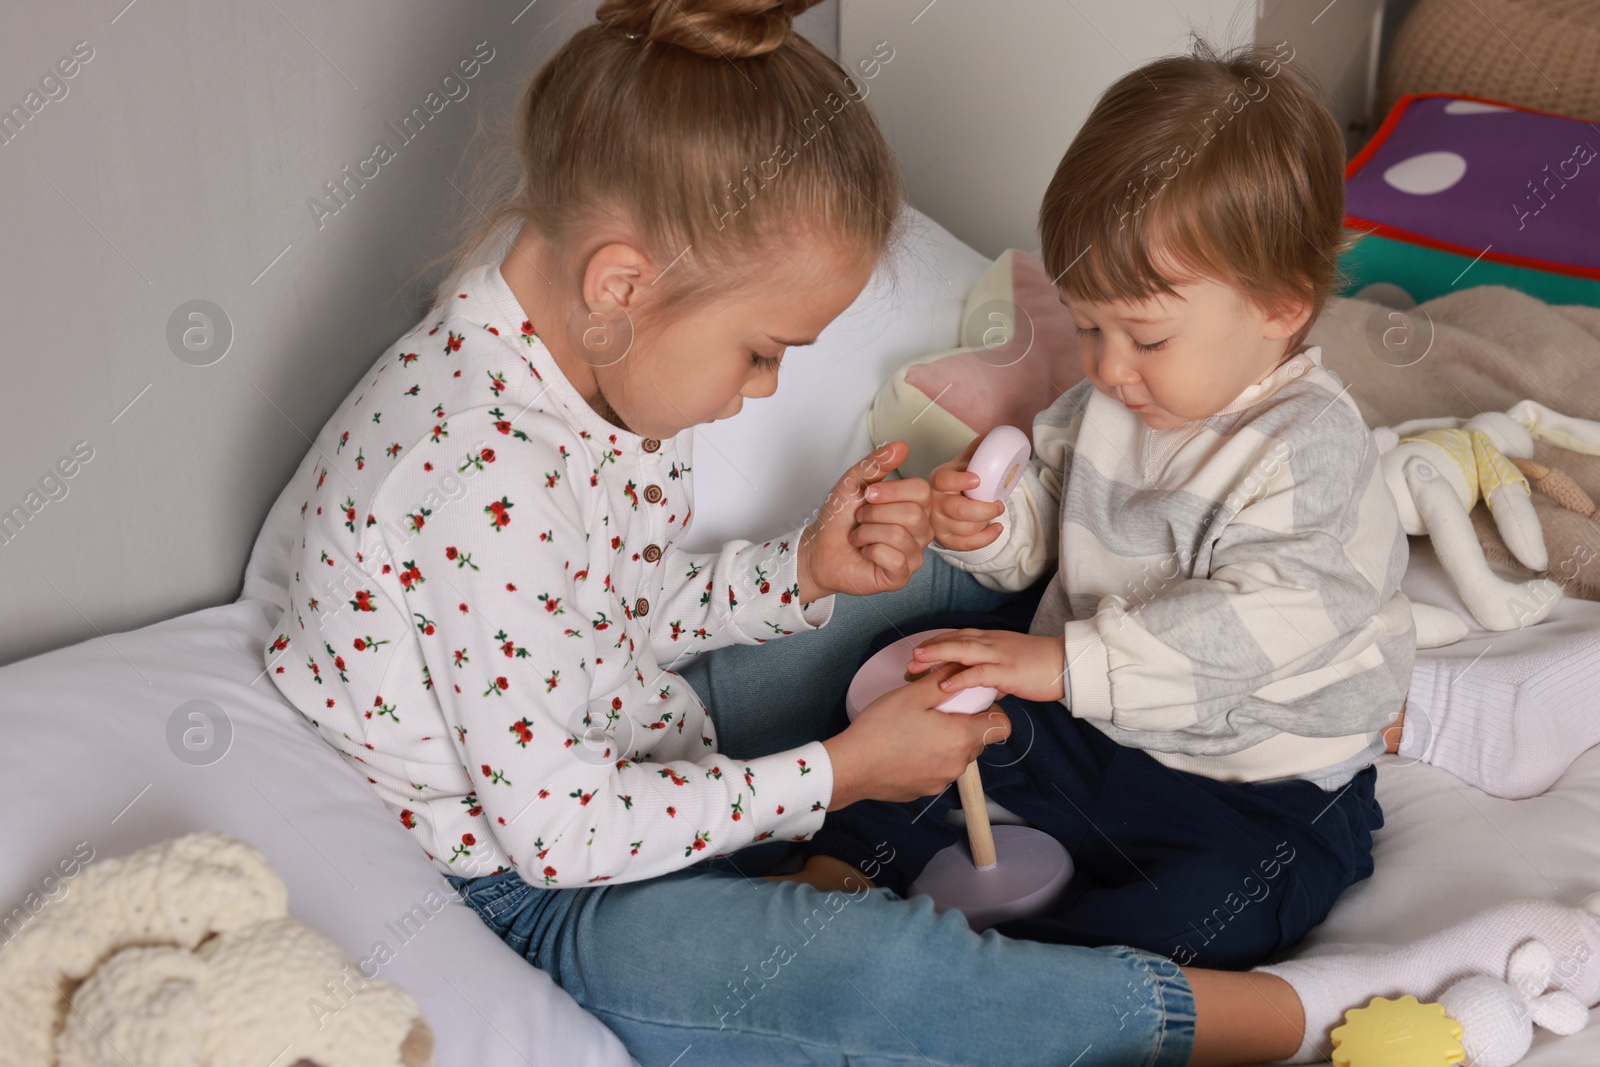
{"points": [[1228, 590]]}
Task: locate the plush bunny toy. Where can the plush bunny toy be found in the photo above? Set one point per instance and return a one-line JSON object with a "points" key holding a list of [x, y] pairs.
{"points": [[1437, 469], [1497, 1018]]}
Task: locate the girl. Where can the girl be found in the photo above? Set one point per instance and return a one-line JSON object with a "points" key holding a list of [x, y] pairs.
{"points": [[489, 583]]}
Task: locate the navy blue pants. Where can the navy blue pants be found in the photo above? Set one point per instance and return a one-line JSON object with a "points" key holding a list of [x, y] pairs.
{"points": [[1211, 874]]}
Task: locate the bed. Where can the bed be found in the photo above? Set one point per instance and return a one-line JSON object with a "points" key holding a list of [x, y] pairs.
{"points": [[135, 737]]}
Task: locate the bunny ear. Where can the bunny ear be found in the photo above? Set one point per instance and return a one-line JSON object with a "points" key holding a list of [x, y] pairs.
{"points": [[1528, 971], [1560, 1012], [1529, 968]]}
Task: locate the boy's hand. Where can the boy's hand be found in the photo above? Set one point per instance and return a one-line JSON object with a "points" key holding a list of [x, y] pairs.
{"points": [[869, 536], [1024, 665], [959, 522]]}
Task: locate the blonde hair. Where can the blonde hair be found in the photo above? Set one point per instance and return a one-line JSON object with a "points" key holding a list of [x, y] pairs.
{"points": [[707, 129], [1228, 167]]}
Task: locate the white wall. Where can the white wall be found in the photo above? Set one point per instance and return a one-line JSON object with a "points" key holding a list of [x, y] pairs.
{"points": [[179, 165], [981, 98], [1339, 45]]}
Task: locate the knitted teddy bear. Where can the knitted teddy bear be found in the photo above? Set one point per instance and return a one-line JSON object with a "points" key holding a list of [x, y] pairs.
{"points": [[182, 954], [1438, 469]]}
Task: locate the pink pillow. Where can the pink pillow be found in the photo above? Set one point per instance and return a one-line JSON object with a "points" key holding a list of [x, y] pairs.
{"points": [[1018, 352]]}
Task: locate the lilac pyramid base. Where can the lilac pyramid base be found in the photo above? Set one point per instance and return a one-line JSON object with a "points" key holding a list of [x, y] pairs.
{"points": [[1031, 870]]}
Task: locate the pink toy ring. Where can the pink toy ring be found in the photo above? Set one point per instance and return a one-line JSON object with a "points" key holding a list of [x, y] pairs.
{"points": [[885, 672], [999, 462], [1031, 868]]}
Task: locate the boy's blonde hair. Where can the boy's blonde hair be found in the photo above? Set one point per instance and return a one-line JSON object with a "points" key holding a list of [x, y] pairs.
{"points": [[1228, 167], [708, 130]]}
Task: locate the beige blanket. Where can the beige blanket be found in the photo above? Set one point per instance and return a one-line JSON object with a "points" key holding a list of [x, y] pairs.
{"points": [[1482, 349]]}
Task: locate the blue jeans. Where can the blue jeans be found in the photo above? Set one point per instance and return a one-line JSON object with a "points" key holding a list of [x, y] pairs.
{"points": [[744, 970]]}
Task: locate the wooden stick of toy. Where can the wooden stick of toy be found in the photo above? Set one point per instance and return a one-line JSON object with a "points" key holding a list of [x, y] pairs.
{"points": [[998, 462], [979, 835]]}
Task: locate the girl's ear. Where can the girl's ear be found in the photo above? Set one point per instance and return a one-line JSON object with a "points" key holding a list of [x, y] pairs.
{"points": [[615, 276]]}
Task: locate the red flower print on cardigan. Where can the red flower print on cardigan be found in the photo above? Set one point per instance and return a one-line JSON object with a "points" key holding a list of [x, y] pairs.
{"points": [[499, 513], [338, 662], [510, 647], [503, 424], [463, 849]]}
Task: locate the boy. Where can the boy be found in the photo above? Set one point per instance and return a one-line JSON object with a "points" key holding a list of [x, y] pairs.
{"points": [[1197, 701]]}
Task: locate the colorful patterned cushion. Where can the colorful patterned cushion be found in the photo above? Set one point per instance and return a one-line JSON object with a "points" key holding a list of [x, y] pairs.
{"points": [[1457, 191]]}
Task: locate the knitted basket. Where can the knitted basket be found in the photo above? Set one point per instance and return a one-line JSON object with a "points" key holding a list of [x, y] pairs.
{"points": [[1539, 53]]}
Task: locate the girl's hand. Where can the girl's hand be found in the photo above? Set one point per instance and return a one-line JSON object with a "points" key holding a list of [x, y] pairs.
{"points": [[869, 536], [959, 522], [1024, 665], [900, 747]]}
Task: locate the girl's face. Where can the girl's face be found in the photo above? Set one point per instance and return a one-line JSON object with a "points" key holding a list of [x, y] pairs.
{"points": [[1176, 359], [702, 364]]}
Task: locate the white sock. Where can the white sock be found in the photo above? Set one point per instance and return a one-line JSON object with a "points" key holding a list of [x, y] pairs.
{"points": [[1330, 985], [1511, 727]]}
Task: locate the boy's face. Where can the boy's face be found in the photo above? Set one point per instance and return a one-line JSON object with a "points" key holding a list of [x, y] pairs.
{"points": [[1176, 359]]}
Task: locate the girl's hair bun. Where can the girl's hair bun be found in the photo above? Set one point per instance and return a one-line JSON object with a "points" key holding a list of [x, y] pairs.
{"points": [[725, 29]]}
